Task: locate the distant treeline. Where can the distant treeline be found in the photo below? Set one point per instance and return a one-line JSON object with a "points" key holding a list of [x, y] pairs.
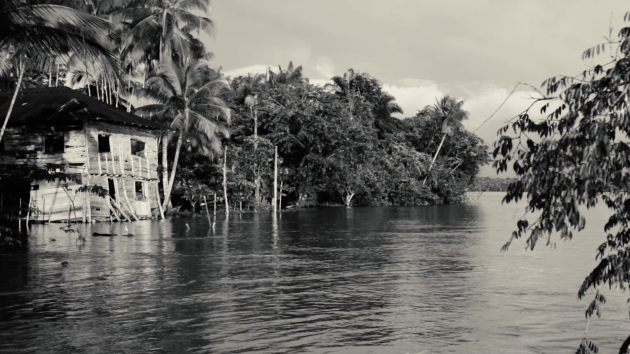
{"points": [[490, 184]]}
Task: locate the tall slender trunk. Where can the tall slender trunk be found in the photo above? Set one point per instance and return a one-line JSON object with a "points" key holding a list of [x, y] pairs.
{"points": [[280, 197], [167, 193], [164, 163], [257, 191], [434, 157], [21, 69], [57, 79], [275, 181], [225, 196], [163, 37]]}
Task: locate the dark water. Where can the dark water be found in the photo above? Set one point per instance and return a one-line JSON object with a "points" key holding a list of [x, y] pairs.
{"points": [[425, 279]]}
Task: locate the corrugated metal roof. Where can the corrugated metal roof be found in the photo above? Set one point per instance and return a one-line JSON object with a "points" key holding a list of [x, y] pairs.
{"points": [[55, 105]]}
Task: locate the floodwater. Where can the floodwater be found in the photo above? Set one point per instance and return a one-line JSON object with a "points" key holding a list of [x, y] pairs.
{"points": [[427, 279]]}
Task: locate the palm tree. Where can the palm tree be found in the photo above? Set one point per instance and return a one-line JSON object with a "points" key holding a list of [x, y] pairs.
{"points": [[42, 33], [189, 97], [249, 92], [451, 114], [290, 76], [341, 86], [174, 19], [383, 110]]}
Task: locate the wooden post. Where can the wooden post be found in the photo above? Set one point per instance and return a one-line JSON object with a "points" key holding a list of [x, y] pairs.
{"points": [[123, 213], [275, 181], [131, 209], [207, 211], [111, 208], [280, 197], [116, 201], [84, 202], [157, 193], [28, 212], [20, 216], [131, 157], [215, 204], [106, 163], [86, 197], [227, 205], [147, 195]]}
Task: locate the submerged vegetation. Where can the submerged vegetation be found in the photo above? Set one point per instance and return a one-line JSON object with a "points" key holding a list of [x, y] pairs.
{"points": [[337, 144]]}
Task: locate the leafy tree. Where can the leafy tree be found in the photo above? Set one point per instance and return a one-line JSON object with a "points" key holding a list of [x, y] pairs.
{"points": [[570, 151]]}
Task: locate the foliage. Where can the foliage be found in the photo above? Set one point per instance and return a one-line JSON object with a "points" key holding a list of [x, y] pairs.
{"points": [[570, 151]]}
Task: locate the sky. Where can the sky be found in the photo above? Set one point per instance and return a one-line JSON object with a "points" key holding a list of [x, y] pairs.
{"points": [[474, 50]]}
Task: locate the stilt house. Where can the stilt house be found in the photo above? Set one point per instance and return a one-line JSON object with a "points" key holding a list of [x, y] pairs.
{"points": [[96, 143]]}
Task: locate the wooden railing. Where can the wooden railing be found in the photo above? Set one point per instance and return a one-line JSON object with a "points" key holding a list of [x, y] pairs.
{"points": [[110, 163]]}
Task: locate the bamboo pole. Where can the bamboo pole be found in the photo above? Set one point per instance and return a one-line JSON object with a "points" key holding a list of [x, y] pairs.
{"points": [[205, 202], [227, 205], [111, 208], [131, 209], [121, 210], [275, 181]]}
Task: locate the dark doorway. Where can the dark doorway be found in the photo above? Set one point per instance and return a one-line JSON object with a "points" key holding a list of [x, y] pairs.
{"points": [[103, 143], [112, 188]]}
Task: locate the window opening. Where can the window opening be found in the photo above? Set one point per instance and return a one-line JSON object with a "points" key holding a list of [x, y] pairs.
{"points": [[137, 147], [53, 143], [103, 143]]}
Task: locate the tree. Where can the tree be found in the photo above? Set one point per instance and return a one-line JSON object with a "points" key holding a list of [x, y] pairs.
{"points": [[175, 20], [570, 150], [450, 113], [290, 76], [41, 33], [189, 97]]}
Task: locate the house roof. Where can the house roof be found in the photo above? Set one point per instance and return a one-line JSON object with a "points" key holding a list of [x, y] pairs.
{"points": [[62, 105]]}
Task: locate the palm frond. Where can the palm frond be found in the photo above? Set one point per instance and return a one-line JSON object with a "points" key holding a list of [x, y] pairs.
{"points": [[172, 77], [193, 5]]}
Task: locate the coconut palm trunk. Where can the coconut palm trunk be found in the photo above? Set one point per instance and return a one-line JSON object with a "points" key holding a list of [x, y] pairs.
{"points": [[167, 192], [21, 69], [434, 157]]}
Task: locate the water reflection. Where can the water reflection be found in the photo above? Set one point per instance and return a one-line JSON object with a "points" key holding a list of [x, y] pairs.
{"points": [[335, 280]]}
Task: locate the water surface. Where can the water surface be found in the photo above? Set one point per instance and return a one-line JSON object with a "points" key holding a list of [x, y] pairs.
{"points": [[428, 279]]}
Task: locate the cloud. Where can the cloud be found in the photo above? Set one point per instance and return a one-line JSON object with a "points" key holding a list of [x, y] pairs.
{"points": [[325, 67], [253, 69]]}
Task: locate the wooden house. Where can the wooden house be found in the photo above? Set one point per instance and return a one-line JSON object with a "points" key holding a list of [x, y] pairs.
{"points": [[96, 143]]}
